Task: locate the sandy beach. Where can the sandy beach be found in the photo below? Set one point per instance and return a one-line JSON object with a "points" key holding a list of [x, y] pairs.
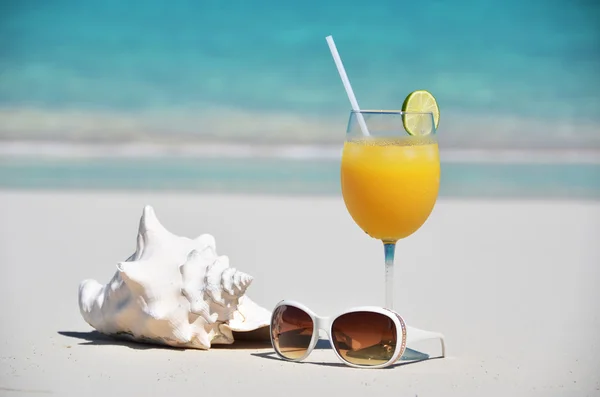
{"points": [[513, 286]]}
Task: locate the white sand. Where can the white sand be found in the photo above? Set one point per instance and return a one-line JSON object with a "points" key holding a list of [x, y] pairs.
{"points": [[514, 286]]}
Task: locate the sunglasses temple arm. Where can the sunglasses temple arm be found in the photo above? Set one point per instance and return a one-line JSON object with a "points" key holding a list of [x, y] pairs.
{"points": [[416, 335], [443, 343]]}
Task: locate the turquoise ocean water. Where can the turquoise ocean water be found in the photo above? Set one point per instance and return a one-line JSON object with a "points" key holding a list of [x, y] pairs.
{"points": [[283, 177], [514, 75]]}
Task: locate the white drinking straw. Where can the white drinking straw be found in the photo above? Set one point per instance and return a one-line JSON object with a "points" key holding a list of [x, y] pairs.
{"points": [[347, 86]]}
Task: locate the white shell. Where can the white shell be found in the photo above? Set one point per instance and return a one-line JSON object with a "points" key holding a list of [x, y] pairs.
{"points": [[173, 290]]}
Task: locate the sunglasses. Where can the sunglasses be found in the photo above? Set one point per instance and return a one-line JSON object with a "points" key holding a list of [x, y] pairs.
{"points": [[361, 337]]}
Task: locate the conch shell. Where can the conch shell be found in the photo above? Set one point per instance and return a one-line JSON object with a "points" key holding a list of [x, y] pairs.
{"points": [[173, 291]]}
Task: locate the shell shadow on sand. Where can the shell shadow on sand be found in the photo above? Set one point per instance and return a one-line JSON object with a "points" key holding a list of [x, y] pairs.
{"points": [[251, 340]]}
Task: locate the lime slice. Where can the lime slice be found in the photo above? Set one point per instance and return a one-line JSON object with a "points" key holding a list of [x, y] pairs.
{"points": [[420, 101]]}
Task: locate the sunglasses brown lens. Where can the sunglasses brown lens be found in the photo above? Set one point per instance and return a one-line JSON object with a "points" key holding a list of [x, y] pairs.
{"points": [[364, 338], [292, 331]]}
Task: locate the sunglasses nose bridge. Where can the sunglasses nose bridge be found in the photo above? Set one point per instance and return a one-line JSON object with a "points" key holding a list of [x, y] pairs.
{"points": [[322, 323]]}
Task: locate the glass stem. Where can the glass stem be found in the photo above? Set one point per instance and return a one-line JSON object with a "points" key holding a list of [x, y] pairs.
{"points": [[389, 249]]}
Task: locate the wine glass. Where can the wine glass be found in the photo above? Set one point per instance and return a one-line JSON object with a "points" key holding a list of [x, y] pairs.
{"points": [[390, 178]]}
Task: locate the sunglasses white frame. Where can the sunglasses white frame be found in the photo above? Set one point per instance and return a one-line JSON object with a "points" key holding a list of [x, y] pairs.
{"points": [[325, 324]]}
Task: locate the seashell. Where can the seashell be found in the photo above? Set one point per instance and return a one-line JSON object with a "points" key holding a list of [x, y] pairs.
{"points": [[172, 290]]}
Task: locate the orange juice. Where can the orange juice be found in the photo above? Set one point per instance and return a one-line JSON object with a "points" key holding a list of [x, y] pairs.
{"points": [[390, 185]]}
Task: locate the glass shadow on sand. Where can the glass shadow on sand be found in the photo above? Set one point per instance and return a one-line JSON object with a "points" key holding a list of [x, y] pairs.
{"points": [[252, 340]]}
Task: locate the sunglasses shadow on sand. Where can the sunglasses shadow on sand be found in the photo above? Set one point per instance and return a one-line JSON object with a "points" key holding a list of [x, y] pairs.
{"points": [[242, 342], [409, 357]]}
